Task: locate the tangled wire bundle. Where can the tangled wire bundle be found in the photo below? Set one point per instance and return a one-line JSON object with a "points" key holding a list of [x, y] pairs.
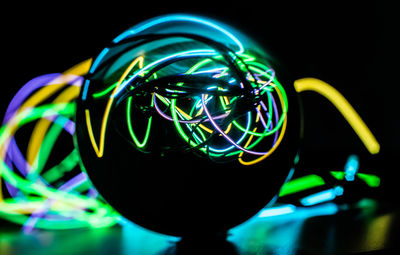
{"points": [[225, 102]]}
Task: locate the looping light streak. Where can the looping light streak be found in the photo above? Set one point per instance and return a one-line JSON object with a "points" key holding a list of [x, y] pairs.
{"points": [[194, 117], [40, 195]]}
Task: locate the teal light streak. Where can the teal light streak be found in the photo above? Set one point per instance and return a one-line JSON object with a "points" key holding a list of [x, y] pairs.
{"points": [[194, 53], [177, 17], [85, 90], [95, 64], [276, 211], [351, 168], [321, 197]]}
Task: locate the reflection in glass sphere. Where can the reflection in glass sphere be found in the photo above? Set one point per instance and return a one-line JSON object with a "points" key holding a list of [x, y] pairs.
{"points": [[184, 125]]}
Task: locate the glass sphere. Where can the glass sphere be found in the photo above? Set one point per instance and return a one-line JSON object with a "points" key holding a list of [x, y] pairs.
{"points": [[185, 125]]}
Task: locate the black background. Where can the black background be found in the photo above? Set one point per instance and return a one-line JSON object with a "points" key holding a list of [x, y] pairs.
{"points": [[345, 43]]}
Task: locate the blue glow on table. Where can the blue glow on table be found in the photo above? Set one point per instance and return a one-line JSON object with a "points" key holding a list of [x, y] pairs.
{"points": [[275, 211], [351, 167], [321, 197]]}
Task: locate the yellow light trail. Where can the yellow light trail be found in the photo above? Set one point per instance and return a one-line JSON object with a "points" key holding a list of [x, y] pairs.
{"points": [[274, 147], [99, 149], [344, 107], [44, 93]]}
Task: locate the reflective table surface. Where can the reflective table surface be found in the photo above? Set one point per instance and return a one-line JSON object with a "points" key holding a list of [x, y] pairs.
{"points": [[366, 227]]}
